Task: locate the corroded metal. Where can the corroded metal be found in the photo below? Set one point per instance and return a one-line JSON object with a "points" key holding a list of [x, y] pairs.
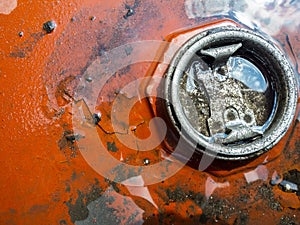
{"points": [[232, 91]]}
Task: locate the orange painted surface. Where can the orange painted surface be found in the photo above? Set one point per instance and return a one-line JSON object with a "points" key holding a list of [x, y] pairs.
{"points": [[45, 179]]}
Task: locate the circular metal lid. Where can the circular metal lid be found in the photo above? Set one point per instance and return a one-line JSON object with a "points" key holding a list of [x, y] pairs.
{"points": [[232, 92]]}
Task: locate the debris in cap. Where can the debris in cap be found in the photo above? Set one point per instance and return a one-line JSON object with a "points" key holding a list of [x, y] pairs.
{"points": [[21, 34], [49, 26], [93, 18]]}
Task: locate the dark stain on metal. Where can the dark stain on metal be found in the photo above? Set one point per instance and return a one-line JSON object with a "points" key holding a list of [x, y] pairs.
{"points": [[18, 54], [95, 192], [287, 220], [111, 146], [78, 210], [242, 219], [178, 195], [73, 137], [27, 46], [49, 26], [38, 208], [62, 222], [68, 187], [124, 71], [74, 176], [216, 210], [113, 184], [67, 143], [265, 192], [102, 211], [128, 50]]}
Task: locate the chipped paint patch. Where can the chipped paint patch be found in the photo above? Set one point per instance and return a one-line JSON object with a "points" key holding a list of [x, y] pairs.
{"points": [[211, 185], [260, 173], [113, 208], [7, 6]]}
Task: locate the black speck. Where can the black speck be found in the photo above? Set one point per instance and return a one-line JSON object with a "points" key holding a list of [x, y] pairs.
{"points": [[89, 79], [73, 137], [96, 118], [146, 161], [21, 34], [130, 11], [78, 210], [49, 26], [93, 18]]}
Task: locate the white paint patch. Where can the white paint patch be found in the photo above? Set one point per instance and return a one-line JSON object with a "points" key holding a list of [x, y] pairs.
{"points": [[142, 192], [135, 187], [7, 6], [260, 173], [211, 186]]}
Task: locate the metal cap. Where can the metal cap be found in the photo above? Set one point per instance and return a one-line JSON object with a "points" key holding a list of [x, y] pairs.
{"points": [[232, 92]]}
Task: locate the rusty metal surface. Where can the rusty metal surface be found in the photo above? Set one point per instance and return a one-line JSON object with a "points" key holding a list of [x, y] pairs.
{"points": [[45, 178]]}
